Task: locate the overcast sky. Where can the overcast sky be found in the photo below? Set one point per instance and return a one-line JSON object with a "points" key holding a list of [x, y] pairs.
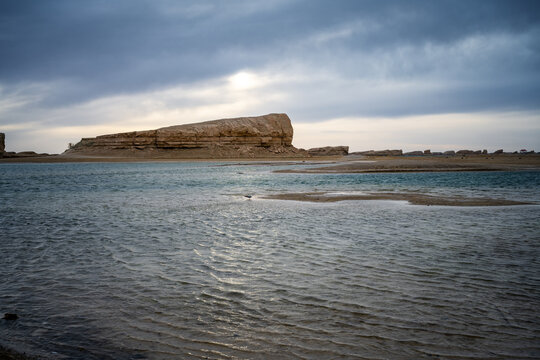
{"points": [[399, 74]]}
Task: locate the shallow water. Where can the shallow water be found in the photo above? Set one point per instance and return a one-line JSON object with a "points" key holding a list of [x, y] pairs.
{"points": [[170, 260]]}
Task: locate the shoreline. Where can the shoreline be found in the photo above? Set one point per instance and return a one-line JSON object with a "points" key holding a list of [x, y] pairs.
{"points": [[110, 159], [351, 164]]}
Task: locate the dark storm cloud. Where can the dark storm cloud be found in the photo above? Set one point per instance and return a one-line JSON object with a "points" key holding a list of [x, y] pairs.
{"points": [[101, 48]]}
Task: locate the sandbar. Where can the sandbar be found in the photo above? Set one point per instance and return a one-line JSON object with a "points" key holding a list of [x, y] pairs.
{"points": [[415, 199]]}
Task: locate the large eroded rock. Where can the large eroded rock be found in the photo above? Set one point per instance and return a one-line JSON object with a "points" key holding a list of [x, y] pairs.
{"points": [[245, 135]]}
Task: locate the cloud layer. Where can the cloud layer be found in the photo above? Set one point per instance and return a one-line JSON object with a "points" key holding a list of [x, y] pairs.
{"points": [[75, 69]]}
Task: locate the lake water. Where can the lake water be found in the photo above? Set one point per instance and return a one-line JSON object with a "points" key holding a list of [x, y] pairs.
{"points": [[170, 260]]}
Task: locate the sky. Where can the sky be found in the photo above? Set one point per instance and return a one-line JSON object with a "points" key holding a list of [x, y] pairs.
{"points": [[411, 75]]}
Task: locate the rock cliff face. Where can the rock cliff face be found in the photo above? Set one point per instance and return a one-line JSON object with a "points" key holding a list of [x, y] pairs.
{"points": [[271, 133]]}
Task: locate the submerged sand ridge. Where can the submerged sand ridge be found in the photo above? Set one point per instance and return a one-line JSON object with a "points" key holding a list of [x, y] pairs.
{"points": [[415, 199]]}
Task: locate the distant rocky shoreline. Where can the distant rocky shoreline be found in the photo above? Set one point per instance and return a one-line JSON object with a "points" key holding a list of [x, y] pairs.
{"points": [[437, 153], [16, 155], [260, 137]]}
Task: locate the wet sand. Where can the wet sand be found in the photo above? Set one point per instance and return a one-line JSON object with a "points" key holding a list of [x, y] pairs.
{"points": [[415, 199]]}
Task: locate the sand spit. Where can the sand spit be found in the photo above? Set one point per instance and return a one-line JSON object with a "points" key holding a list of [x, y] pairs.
{"points": [[428, 164], [415, 199]]}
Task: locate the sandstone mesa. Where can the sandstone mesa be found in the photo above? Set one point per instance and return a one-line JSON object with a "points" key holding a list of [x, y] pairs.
{"points": [[260, 136]]}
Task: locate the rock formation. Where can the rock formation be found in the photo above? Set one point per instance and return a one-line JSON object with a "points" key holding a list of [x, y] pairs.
{"points": [[2, 144], [239, 137], [11, 154], [329, 151], [379, 153]]}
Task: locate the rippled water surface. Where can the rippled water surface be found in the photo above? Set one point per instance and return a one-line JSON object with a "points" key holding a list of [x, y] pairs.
{"points": [[170, 260]]}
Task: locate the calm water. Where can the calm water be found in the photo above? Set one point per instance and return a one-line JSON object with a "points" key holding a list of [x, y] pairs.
{"points": [[169, 260]]}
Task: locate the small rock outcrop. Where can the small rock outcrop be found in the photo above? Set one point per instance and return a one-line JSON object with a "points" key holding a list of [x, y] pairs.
{"points": [[9, 316], [379, 153], [2, 144], [414, 153], [238, 137], [329, 151], [11, 154]]}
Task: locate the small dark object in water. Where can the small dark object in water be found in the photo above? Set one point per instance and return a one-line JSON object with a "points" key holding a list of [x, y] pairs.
{"points": [[248, 196], [9, 316]]}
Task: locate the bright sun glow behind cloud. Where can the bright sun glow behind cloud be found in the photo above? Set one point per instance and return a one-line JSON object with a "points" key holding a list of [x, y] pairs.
{"points": [[371, 75], [244, 80], [249, 93]]}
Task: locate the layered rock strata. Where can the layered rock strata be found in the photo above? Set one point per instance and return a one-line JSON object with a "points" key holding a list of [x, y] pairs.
{"points": [[329, 151], [245, 137]]}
